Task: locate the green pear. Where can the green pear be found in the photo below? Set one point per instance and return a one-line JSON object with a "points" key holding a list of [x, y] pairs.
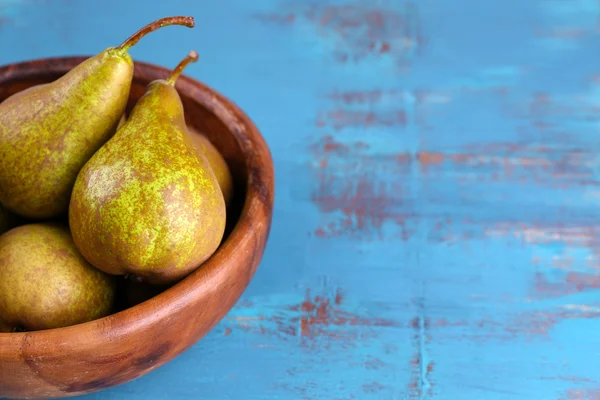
{"points": [[46, 283], [206, 149], [216, 161], [49, 131], [121, 121], [145, 204]]}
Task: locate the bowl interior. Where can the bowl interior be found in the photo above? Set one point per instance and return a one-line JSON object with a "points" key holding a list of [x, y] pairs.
{"points": [[199, 117]]}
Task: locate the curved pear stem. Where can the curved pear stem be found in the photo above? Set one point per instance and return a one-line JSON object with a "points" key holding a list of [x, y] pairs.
{"points": [[151, 27], [192, 57]]}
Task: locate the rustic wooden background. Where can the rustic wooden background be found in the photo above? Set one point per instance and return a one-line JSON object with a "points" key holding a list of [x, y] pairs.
{"points": [[435, 234]]}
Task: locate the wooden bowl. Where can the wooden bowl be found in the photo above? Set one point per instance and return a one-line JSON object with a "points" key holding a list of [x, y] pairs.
{"points": [[127, 344]]}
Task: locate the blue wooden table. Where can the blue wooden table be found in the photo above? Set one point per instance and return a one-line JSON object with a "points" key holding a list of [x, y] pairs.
{"points": [[436, 227]]}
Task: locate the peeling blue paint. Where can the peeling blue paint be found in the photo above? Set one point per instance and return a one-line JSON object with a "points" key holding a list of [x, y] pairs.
{"points": [[435, 233]]}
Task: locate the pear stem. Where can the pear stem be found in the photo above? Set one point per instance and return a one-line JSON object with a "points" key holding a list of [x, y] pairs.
{"points": [[151, 27], [192, 57]]}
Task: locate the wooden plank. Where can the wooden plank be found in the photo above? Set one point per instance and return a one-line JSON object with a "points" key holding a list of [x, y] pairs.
{"points": [[435, 232]]}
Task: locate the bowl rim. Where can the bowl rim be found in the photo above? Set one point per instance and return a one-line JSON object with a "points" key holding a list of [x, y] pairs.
{"points": [[259, 198]]}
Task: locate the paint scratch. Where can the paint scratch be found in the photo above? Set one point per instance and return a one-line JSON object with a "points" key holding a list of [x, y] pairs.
{"points": [[361, 203], [421, 368], [582, 394], [359, 31], [317, 317]]}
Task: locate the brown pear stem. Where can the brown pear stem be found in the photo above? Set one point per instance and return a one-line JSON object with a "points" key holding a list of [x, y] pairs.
{"points": [[151, 27], [192, 57]]}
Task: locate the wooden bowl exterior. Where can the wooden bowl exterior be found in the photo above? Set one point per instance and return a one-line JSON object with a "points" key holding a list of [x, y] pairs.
{"points": [[110, 351]]}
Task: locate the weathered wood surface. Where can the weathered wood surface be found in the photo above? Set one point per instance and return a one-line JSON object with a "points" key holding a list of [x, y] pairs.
{"points": [[435, 233]]}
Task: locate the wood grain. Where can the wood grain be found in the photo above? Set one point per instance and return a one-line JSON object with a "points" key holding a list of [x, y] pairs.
{"points": [[113, 350], [435, 234]]}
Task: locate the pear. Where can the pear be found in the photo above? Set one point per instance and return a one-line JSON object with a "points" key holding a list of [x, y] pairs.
{"points": [[206, 149], [216, 161], [49, 131], [121, 121], [145, 204], [46, 283]]}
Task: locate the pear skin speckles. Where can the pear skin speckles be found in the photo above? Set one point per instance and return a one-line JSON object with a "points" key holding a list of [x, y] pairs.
{"points": [[206, 149], [48, 132], [46, 283], [145, 203]]}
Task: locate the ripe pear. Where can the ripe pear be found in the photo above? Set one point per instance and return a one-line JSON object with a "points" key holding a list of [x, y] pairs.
{"points": [[121, 121], [206, 149], [145, 204], [46, 283], [49, 131], [216, 161]]}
